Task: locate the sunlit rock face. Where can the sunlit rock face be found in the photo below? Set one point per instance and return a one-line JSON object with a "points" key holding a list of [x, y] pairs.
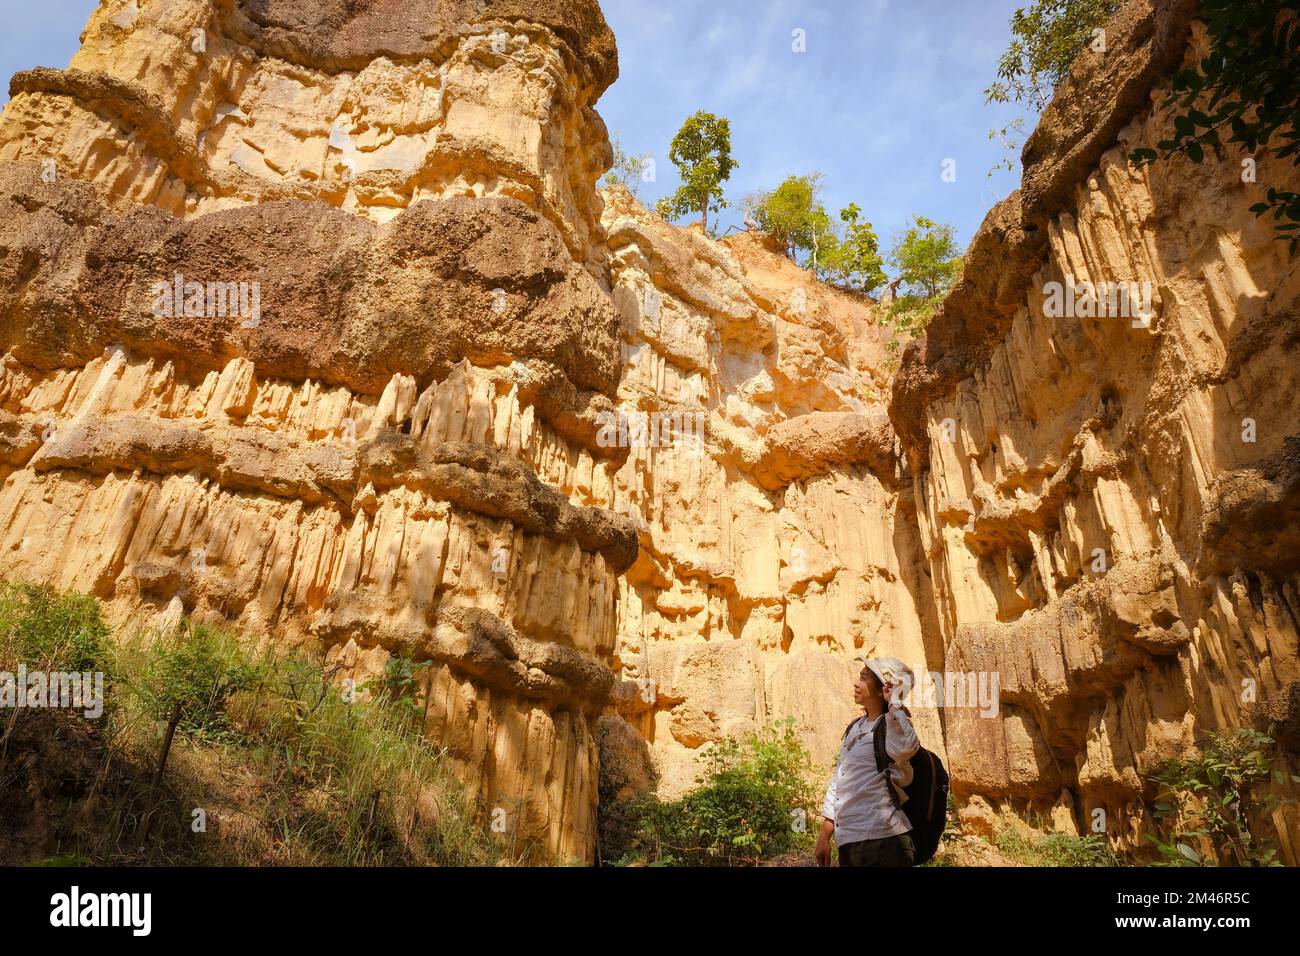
{"points": [[782, 545], [1108, 497], [315, 322], [306, 323]]}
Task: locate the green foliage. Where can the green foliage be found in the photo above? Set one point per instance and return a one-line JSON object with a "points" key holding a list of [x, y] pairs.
{"points": [[906, 317], [267, 743], [1046, 38], [793, 214], [1246, 91], [701, 150], [627, 169], [1012, 138], [856, 260], [928, 264], [1056, 849], [753, 801], [199, 672], [1214, 795], [361, 784], [400, 686], [58, 632], [926, 258]]}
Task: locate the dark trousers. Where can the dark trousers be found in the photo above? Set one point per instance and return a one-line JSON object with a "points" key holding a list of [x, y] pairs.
{"points": [[887, 851]]}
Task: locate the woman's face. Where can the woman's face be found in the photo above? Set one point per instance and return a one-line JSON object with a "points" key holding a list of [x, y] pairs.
{"points": [[866, 688]]}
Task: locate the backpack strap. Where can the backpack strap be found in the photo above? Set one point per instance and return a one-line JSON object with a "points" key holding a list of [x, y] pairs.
{"points": [[845, 735], [883, 760]]}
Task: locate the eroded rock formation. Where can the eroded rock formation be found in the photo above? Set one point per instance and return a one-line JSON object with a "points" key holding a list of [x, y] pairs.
{"points": [[787, 545], [313, 321], [372, 425], [1108, 500]]}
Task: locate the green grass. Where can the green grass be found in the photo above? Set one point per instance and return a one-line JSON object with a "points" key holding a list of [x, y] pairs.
{"points": [[57, 632], [1056, 849], [283, 769]]}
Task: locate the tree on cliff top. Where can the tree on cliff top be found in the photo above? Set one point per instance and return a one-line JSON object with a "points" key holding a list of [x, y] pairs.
{"points": [[1046, 37], [701, 150], [793, 214], [856, 260], [928, 264], [927, 258]]}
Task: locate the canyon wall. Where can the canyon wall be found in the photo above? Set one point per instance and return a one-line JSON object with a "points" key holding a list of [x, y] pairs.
{"points": [[783, 544], [407, 449], [314, 323], [384, 440], [1108, 501]]}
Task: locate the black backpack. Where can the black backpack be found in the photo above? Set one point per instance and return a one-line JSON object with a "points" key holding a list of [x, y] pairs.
{"points": [[927, 795]]}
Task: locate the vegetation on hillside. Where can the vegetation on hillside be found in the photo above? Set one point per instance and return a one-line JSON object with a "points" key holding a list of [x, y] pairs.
{"points": [[756, 799], [1046, 38], [1215, 800], [928, 263], [794, 215], [841, 250], [211, 752]]}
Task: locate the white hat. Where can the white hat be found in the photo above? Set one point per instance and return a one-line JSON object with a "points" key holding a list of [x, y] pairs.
{"points": [[893, 670]]}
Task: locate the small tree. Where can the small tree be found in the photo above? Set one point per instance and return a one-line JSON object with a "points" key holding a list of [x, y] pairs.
{"points": [[1214, 794], [856, 260], [188, 684], [701, 151], [753, 801], [1046, 38], [794, 215], [928, 263], [926, 258]]}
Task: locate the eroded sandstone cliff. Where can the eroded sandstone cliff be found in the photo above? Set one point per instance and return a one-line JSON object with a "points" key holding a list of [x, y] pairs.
{"points": [[1108, 502], [787, 544], [441, 433], [394, 450]]}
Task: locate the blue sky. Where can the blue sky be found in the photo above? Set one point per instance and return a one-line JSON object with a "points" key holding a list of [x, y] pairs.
{"points": [[40, 34], [887, 90]]}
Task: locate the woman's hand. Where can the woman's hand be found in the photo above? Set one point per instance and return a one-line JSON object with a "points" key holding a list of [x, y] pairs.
{"points": [[824, 843]]}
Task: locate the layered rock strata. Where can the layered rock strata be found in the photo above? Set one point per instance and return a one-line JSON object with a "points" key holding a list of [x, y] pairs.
{"points": [[306, 323], [1107, 495], [314, 322]]}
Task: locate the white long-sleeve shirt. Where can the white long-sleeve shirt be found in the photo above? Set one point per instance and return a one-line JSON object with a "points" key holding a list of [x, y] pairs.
{"points": [[856, 799]]}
